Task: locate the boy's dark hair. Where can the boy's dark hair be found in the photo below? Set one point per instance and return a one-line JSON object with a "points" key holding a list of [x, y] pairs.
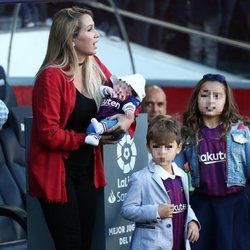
{"points": [[164, 129]]}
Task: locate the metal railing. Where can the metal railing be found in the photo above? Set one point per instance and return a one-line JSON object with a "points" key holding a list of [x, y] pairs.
{"points": [[123, 13], [165, 24]]}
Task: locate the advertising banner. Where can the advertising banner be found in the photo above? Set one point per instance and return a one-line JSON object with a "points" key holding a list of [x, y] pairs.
{"points": [[120, 161]]}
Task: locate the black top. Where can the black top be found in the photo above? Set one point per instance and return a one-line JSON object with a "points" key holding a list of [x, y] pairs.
{"points": [[81, 161]]}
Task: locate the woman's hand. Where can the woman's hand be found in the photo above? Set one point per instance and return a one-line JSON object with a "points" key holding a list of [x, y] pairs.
{"points": [[122, 125]]}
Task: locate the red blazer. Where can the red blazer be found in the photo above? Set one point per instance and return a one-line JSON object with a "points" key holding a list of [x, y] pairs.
{"points": [[54, 96]]}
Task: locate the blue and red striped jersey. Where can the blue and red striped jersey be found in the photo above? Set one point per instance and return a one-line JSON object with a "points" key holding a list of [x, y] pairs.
{"points": [[212, 157], [176, 194]]}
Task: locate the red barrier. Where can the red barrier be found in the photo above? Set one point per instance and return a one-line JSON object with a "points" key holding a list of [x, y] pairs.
{"points": [[177, 98]]}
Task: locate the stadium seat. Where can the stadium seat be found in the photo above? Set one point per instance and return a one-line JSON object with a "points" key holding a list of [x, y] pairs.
{"points": [[13, 181], [13, 144], [16, 121], [15, 159], [12, 234]]}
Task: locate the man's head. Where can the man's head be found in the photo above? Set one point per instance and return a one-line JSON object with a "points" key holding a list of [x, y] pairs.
{"points": [[155, 101]]}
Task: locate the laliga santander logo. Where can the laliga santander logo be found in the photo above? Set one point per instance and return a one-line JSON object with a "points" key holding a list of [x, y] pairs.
{"points": [[126, 154]]}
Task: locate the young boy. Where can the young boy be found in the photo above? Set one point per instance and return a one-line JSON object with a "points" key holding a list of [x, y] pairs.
{"points": [[158, 199]]}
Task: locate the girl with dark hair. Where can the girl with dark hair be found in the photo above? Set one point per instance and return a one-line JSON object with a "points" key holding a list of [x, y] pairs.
{"points": [[217, 149]]}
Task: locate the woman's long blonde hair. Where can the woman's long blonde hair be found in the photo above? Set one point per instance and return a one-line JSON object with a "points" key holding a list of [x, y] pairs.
{"points": [[61, 53]]}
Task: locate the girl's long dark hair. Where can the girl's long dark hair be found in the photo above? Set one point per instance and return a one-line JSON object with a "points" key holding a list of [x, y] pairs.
{"points": [[192, 118]]}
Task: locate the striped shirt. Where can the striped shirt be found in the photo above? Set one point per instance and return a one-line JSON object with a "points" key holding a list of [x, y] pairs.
{"points": [[3, 113], [111, 106], [175, 191], [212, 157]]}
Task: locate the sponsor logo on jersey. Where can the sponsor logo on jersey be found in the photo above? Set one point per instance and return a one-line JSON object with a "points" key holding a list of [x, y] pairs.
{"points": [[212, 158], [110, 102], [179, 208]]}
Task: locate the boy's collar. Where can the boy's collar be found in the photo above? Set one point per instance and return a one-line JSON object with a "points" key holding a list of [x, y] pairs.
{"points": [[163, 173]]}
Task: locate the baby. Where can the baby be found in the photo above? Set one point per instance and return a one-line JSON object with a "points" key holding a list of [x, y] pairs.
{"points": [[124, 98]]}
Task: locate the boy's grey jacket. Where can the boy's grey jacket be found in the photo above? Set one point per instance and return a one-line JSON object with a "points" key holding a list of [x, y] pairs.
{"points": [[146, 191], [237, 156]]}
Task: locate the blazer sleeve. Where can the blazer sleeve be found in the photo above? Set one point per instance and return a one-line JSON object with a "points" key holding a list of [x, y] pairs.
{"points": [[133, 209]]}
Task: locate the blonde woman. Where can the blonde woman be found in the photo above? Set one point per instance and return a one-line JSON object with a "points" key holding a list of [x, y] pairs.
{"points": [[65, 172]]}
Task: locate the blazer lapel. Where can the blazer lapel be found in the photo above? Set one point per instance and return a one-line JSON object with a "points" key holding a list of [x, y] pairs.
{"points": [[157, 179]]}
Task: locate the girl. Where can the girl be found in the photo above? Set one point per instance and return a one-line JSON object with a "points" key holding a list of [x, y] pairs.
{"points": [[217, 149]]}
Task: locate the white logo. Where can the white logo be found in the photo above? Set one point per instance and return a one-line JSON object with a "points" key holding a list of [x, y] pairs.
{"points": [[110, 102], [179, 208], [111, 197], [126, 154], [212, 158]]}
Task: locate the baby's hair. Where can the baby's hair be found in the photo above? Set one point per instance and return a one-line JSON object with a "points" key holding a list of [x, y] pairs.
{"points": [[164, 129]]}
